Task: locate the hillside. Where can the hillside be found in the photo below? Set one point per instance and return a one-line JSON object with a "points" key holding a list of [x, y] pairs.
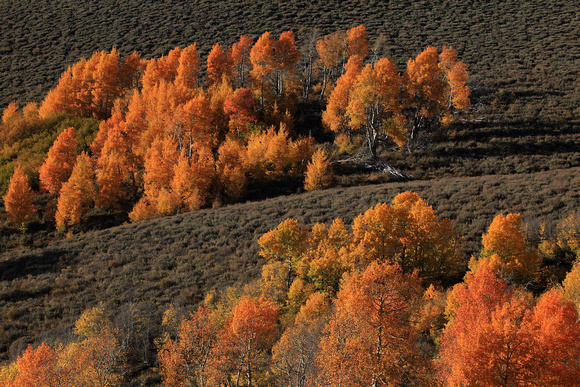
{"points": [[517, 151], [176, 260], [526, 51]]}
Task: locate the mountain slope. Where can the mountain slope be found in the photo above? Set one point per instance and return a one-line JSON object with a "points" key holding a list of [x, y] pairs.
{"points": [[177, 260], [530, 49]]}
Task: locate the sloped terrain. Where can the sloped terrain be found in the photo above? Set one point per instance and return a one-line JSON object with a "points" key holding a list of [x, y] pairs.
{"points": [[179, 259], [526, 51]]}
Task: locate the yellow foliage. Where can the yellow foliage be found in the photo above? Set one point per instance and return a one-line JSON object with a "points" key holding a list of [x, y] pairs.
{"points": [[319, 173], [506, 239]]}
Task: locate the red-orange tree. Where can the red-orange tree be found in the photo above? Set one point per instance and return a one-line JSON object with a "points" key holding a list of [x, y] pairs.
{"points": [[243, 344], [495, 339], [39, 367], [19, 198], [219, 65], [59, 163], [183, 362], [369, 339], [240, 108]]}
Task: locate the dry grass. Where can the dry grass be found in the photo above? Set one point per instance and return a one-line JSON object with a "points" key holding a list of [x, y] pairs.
{"points": [[175, 260]]}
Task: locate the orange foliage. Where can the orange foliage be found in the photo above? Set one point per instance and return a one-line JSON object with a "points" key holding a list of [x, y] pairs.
{"points": [[191, 123], [77, 194], [193, 179], [188, 68], [231, 168], [19, 198], [219, 65], [241, 59], [240, 108], [357, 41], [10, 112], [271, 154], [219, 93], [332, 49], [495, 339], [40, 368], [285, 57], [165, 68], [183, 362], [369, 340], [433, 83], [408, 232], [262, 59], [90, 87], [373, 105], [60, 161], [245, 340], [334, 115], [115, 168], [17, 125]]}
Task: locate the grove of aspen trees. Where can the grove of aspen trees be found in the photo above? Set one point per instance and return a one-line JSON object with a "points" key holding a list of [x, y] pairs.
{"points": [[347, 305], [372, 303], [167, 143]]}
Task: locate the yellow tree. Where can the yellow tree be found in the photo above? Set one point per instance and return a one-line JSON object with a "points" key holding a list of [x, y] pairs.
{"points": [[286, 243], [98, 357], [327, 257], [319, 173], [373, 106], [294, 354], [19, 198], [408, 232], [505, 238]]}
